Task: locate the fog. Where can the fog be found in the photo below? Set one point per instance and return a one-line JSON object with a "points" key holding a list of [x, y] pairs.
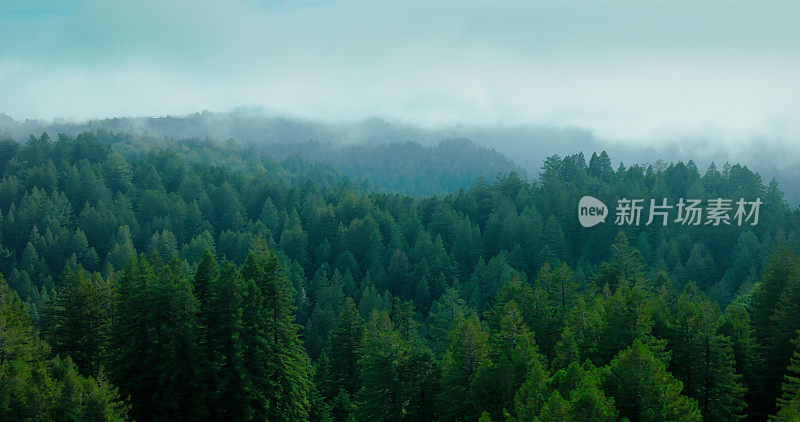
{"points": [[525, 145], [626, 70], [711, 81]]}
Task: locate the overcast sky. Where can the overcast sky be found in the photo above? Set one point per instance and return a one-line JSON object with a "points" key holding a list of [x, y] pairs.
{"points": [[637, 70]]}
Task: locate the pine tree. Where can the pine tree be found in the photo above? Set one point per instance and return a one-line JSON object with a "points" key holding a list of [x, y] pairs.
{"points": [[181, 394], [208, 321], [531, 396], [443, 312], [721, 394], [566, 349], [422, 297], [745, 352], [328, 295], [512, 355], [790, 412], [83, 399], [581, 386], [787, 402], [627, 315], [419, 380], [207, 271], [122, 249], [225, 336], [703, 358], [36, 388], [560, 286], [20, 354], [774, 344], [156, 342], [643, 390], [556, 409], [625, 264], [132, 354], [283, 361], [77, 320], [467, 350], [344, 351], [379, 397]]}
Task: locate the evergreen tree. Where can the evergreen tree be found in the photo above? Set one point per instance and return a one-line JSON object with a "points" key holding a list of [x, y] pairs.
{"points": [[398, 375], [556, 409], [283, 361], [205, 275], [380, 397], [223, 346], [466, 352], [531, 396], [36, 388], [581, 385], [787, 402], [225, 336], [721, 394], [789, 411], [340, 377], [22, 392], [625, 264], [132, 354], [181, 394], [703, 358], [76, 320], [442, 315], [775, 345], [643, 390], [745, 352], [512, 355]]}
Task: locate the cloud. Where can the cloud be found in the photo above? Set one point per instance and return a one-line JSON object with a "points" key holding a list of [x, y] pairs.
{"points": [[625, 69]]}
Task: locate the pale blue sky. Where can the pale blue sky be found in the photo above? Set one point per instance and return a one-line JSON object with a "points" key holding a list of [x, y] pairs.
{"points": [[627, 69]]}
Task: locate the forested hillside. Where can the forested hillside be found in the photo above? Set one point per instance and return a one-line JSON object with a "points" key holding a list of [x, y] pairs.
{"points": [[406, 167], [157, 279], [373, 150], [405, 157]]}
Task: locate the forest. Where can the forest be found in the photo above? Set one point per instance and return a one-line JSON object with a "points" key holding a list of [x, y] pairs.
{"points": [[188, 279]]}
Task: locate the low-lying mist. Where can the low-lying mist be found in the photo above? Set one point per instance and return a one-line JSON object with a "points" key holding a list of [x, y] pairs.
{"points": [[526, 146]]}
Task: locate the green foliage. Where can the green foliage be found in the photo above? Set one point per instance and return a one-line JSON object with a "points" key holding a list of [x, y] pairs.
{"points": [[512, 355], [787, 402], [222, 316], [341, 373], [643, 390], [703, 358], [76, 321], [581, 386], [35, 387], [397, 375], [467, 351], [487, 302], [269, 324], [748, 361], [775, 319]]}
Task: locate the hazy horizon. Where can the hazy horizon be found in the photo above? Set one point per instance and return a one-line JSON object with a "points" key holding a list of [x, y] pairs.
{"points": [[626, 71]]}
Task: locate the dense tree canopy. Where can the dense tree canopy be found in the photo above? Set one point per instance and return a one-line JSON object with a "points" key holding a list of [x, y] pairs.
{"points": [[195, 281]]}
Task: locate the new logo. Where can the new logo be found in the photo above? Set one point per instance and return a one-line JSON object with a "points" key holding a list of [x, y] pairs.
{"points": [[591, 211]]}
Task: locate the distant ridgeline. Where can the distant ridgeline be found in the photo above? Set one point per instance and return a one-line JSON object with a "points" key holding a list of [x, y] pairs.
{"points": [[346, 145], [280, 290], [407, 167], [380, 153]]}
